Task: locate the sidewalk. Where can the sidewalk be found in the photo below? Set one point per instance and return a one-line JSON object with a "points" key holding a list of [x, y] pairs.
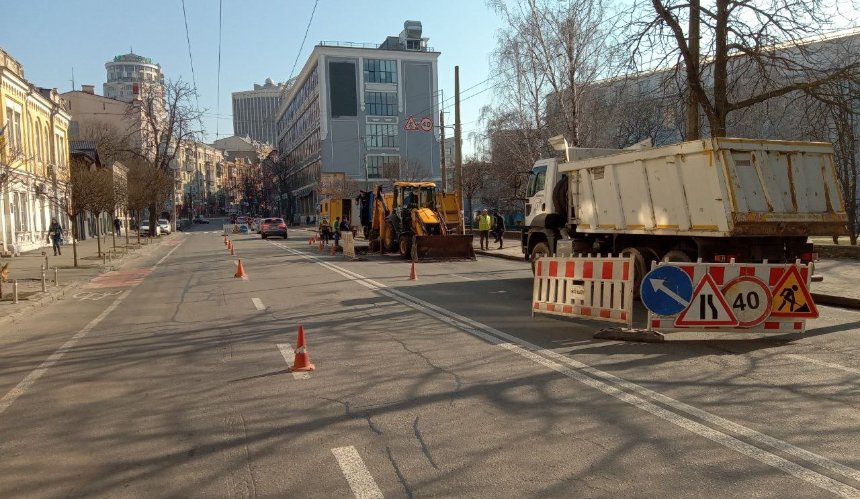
{"points": [[27, 270]]}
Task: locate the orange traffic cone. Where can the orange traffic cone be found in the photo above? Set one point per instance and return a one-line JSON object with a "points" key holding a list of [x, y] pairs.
{"points": [[321, 247], [240, 271], [310, 241], [302, 361], [413, 276], [332, 249], [231, 251], [225, 239]]}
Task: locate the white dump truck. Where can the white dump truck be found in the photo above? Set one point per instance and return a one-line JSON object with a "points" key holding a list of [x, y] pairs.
{"points": [[715, 199]]}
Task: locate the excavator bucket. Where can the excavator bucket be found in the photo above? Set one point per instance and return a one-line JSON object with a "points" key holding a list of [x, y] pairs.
{"points": [[452, 247]]}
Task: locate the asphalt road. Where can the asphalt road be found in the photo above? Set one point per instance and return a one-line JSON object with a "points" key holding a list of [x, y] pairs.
{"points": [[171, 380]]}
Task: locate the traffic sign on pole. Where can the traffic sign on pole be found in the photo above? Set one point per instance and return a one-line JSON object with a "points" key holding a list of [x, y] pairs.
{"points": [[708, 308], [666, 290]]}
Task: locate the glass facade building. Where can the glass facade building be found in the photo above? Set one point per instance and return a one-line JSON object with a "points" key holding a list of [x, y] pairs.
{"points": [[362, 112], [254, 112]]}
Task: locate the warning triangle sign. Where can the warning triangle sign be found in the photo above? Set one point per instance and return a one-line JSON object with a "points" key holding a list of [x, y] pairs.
{"points": [[411, 124], [708, 307], [791, 297]]}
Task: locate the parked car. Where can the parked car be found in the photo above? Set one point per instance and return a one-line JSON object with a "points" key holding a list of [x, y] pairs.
{"points": [[144, 230], [200, 220], [164, 225], [273, 227]]}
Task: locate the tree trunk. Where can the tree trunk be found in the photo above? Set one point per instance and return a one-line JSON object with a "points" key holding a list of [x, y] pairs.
{"points": [[98, 237], [153, 217], [75, 238]]}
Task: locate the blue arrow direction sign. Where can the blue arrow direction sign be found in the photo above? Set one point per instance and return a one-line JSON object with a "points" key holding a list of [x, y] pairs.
{"points": [[666, 290]]}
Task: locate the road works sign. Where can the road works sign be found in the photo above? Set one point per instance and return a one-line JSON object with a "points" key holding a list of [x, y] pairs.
{"points": [[729, 297], [792, 298]]}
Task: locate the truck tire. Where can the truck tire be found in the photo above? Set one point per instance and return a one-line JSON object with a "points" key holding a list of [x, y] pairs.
{"points": [[677, 255], [405, 247], [539, 250], [642, 258]]}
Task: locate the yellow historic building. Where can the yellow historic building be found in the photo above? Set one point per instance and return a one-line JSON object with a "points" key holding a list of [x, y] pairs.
{"points": [[34, 159]]}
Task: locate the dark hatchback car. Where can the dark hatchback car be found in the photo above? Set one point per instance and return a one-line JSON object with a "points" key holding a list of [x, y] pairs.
{"points": [[273, 227]]}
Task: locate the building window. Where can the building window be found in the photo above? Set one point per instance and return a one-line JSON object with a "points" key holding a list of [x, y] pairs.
{"points": [[382, 135], [13, 129], [383, 166], [380, 71], [380, 103]]}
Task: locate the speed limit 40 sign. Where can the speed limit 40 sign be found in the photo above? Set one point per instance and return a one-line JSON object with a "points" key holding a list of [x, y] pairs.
{"points": [[750, 300]]}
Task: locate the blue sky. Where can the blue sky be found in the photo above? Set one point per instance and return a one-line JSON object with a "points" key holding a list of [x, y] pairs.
{"points": [[260, 38]]}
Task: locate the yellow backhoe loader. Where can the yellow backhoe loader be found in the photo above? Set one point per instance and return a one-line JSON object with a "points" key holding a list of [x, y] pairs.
{"points": [[407, 221]]}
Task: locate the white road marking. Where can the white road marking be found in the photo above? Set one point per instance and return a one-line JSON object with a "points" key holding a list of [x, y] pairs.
{"points": [[37, 373], [289, 355], [360, 480], [548, 358], [464, 277], [258, 303], [824, 364]]}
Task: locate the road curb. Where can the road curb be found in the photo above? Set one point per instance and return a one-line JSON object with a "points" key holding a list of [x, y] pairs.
{"points": [[503, 256], [836, 301]]}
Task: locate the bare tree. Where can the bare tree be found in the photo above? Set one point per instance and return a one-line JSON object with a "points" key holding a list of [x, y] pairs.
{"points": [[161, 120], [755, 50], [474, 173], [554, 48], [147, 187], [838, 124], [101, 200]]}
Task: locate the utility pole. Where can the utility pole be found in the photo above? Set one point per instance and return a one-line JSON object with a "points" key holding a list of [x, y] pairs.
{"points": [[458, 151], [442, 147], [692, 114]]}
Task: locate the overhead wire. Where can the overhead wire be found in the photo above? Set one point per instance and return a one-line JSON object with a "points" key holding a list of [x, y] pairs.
{"points": [[218, 91], [190, 57], [302, 46]]}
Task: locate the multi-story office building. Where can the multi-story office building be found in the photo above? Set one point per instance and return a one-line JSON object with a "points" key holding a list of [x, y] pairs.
{"points": [[130, 75], [254, 111], [34, 159], [366, 111]]}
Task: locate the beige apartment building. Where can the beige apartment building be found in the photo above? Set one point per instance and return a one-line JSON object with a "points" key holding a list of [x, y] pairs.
{"points": [[34, 159]]}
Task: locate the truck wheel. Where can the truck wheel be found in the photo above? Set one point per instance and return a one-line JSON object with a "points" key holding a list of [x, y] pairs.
{"points": [[405, 247], [642, 258], [540, 250], [677, 256]]}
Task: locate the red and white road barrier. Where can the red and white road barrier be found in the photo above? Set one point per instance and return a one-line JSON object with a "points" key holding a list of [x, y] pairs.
{"points": [[738, 297], [598, 288]]}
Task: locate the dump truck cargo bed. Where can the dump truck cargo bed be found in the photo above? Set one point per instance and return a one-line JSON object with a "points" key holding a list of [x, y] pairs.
{"points": [[710, 188]]}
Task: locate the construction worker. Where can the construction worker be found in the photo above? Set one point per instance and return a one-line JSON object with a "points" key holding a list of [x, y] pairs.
{"points": [[485, 223], [325, 231], [336, 228]]}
